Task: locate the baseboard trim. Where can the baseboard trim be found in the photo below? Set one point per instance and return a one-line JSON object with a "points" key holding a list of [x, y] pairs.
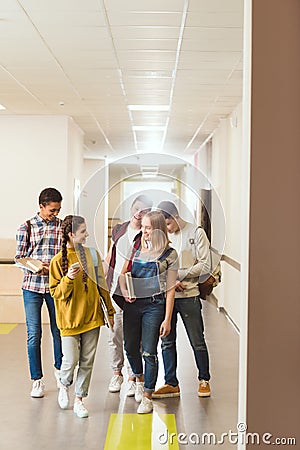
{"points": [[213, 299]]}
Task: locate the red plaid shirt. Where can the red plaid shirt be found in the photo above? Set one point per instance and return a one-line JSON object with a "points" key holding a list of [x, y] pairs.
{"points": [[45, 242]]}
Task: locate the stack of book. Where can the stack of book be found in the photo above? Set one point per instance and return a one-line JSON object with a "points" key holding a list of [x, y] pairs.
{"points": [[34, 265], [129, 284]]}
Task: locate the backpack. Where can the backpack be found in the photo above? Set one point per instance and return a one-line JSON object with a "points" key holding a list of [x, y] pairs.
{"points": [[208, 281], [94, 256]]}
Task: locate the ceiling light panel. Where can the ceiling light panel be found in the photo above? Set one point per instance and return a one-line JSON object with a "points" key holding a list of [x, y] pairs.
{"points": [[147, 74], [148, 128], [148, 97], [146, 85], [140, 117], [146, 90], [149, 135]]}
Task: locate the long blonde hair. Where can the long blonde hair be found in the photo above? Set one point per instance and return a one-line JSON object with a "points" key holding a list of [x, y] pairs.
{"points": [[159, 233]]}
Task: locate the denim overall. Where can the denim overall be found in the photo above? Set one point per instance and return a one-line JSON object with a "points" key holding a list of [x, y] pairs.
{"points": [[145, 278]]}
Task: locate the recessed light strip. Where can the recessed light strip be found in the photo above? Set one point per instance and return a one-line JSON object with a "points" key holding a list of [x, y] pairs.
{"points": [[182, 25], [148, 128], [119, 67]]}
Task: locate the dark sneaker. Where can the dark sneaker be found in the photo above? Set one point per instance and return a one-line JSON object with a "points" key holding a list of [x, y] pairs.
{"points": [[167, 391]]}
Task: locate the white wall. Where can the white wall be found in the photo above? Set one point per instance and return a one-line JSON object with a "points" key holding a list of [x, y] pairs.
{"points": [[74, 162], [226, 179], [93, 202], [115, 193], [190, 182], [36, 152]]}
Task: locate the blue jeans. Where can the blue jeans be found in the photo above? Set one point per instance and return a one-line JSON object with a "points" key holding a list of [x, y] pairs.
{"points": [[33, 302], [141, 323], [190, 312]]}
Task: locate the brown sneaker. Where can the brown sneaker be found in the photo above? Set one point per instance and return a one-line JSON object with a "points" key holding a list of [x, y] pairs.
{"points": [[204, 389], [167, 391]]}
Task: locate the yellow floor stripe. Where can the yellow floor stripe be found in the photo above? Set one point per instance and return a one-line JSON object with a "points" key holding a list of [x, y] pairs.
{"points": [[6, 328], [141, 432]]}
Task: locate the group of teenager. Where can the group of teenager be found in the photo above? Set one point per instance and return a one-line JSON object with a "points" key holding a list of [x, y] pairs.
{"points": [[164, 254]]}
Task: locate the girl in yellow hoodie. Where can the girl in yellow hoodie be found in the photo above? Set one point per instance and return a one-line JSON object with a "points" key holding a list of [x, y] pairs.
{"points": [[78, 311]]}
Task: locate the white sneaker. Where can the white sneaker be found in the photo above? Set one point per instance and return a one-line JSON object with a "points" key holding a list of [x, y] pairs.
{"points": [[38, 388], [115, 383], [63, 396], [57, 377], [139, 391], [131, 388], [146, 406], [80, 410]]}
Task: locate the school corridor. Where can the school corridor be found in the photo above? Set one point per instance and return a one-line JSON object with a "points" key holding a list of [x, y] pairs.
{"points": [[193, 101], [176, 423]]}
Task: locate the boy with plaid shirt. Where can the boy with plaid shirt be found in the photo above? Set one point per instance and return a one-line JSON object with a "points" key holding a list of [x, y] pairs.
{"points": [[40, 238]]}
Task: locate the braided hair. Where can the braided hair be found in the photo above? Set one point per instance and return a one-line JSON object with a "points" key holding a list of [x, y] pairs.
{"points": [[71, 224]]}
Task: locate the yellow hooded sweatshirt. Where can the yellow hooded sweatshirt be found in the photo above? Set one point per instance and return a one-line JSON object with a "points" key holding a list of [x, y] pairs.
{"points": [[78, 311]]}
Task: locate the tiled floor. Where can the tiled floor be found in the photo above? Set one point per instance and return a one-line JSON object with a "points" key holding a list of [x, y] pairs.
{"points": [[29, 424]]}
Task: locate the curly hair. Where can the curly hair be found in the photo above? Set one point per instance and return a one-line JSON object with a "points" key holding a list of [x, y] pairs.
{"points": [[70, 224], [49, 195]]}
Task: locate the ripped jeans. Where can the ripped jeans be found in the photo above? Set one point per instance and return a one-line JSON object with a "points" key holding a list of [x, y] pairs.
{"points": [[141, 323]]}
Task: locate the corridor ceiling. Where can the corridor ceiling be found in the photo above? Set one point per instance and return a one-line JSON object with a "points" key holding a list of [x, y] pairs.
{"points": [[135, 75]]}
